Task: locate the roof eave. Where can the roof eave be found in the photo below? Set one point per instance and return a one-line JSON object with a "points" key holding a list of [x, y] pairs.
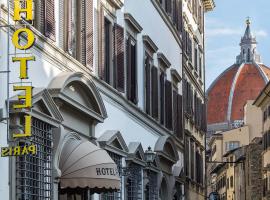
{"points": [[209, 5]]}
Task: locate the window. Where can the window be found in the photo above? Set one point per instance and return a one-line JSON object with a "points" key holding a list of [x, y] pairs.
{"points": [[232, 145], [151, 87], [265, 188], [192, 159], [187, 155], [77, 28], [34, 173], [131, 58], [168, 104], [134, 182], [264, 115], [168, 6], [266, 140], [231, 161], [151, 189], [44, 17], [107, 49], [162, 78], [248, 56], [200, 66], [111, 67], [196, 58], [114, 195], [231, 181], [177, 114]]}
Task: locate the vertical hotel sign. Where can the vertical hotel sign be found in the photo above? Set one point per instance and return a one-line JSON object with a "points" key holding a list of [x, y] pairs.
{"points": [[24, 99]]}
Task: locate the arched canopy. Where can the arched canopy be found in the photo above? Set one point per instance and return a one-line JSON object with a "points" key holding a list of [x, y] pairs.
{"points": [[165, 147], [79, 92], [85, 165]]}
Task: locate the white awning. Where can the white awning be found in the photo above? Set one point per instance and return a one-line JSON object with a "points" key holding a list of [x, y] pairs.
{"points": [[84, 165]]}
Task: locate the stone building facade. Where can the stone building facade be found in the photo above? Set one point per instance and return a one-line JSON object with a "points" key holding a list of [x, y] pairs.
{"points": [[239, 176], [107, 101]]}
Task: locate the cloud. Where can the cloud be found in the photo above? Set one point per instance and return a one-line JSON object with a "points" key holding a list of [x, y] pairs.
{"points": [[261, 33], [215, 32], [222, 31]]}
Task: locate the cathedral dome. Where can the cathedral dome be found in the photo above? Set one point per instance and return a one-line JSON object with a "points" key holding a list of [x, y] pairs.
{"points": [[242, 81]]}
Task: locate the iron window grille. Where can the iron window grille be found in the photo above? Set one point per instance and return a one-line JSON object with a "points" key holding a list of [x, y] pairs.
{"points": [[115, 195], [151, 189], [34, 172], [134, 182]]}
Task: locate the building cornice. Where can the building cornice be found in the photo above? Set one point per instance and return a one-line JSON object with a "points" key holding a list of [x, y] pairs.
{"points": [[161, 57], [131, 20], [149, 42]]}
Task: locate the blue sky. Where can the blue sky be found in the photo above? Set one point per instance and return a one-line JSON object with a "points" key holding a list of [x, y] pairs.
{"points": [[224, 28]]}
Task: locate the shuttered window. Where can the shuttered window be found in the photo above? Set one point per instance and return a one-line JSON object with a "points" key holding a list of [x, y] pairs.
{"points": [[119, 58], [162, 97], [154, 92], [131, 57], [107, 50], [86, 40], [177, 115], [187, 154], [168, 6], [44, 19], [168, 104], [179, 125], [192, 160], [147, 66], [49, 19], [179, 16]]}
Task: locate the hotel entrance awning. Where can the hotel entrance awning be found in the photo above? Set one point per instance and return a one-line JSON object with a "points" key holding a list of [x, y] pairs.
{"points": [[84, 165]]}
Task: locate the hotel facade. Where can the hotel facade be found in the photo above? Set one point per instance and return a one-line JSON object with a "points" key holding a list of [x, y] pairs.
{"points": [[108, 99]]}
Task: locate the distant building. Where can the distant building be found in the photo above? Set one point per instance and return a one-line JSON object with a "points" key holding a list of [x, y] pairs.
{"points": [[240, 82], [239, 176], [263, 102], [223, 144]]}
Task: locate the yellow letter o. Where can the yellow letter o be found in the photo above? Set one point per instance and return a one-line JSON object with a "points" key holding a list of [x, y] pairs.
{"points": [[29, 35]]}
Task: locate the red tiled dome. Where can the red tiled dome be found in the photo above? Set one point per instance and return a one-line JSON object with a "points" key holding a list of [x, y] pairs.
{"points": [[230, 91]]}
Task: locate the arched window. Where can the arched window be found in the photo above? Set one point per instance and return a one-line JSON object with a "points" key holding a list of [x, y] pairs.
{"points": [[248, 56]]}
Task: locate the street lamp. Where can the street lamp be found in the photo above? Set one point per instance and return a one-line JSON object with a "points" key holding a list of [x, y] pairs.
{"points": [[149, 155]]}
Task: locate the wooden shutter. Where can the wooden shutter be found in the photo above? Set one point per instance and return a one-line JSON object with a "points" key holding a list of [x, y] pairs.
{"points": [[128, 60], [82, 40], [89, 33], [180, 16], [168, 104], [69, 27], [49, 19], [101, 52], [162, 97], [61, 29], [154, 102], [147, 85], [175, 11], [179, 128], [175, 116], [168, 6], [119, 58], [134, 97]]}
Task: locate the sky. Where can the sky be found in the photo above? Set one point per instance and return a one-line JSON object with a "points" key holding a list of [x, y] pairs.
{"points": [[224, 28]]}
